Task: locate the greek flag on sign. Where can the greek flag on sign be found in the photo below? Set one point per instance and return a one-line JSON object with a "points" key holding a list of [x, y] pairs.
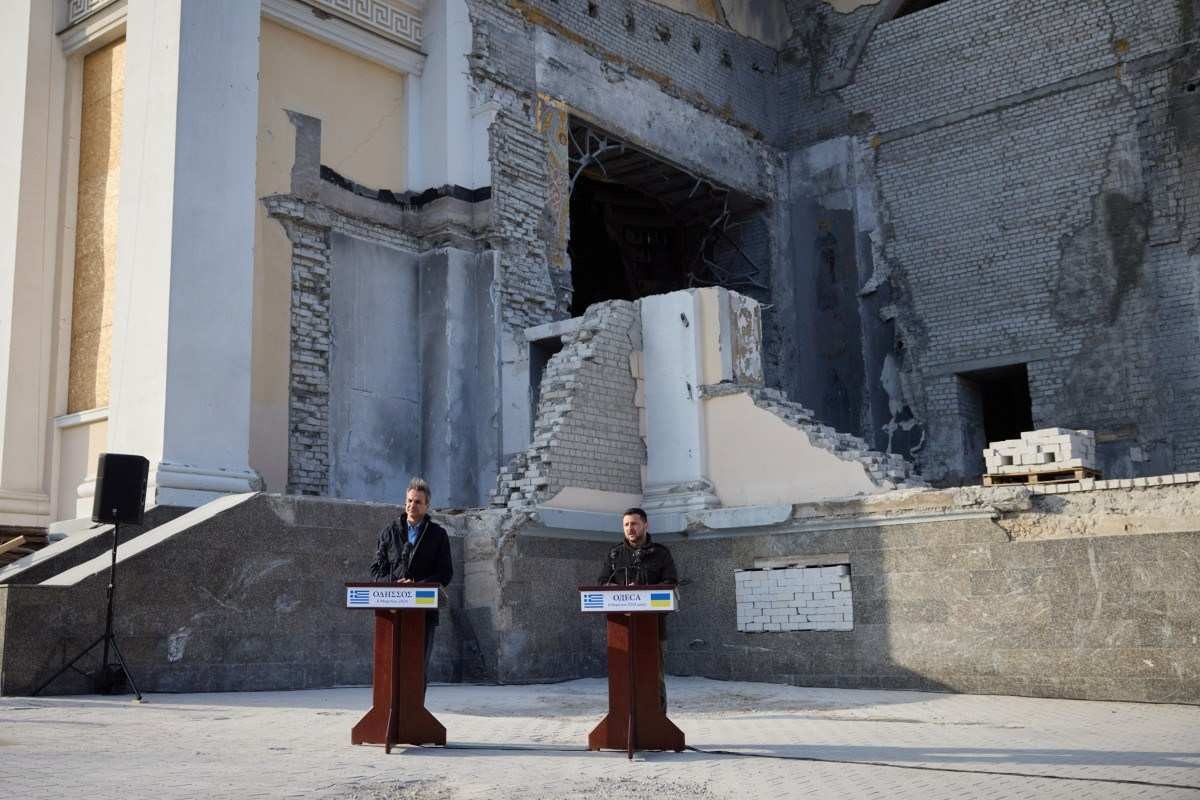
{"points": [[593, 600], [358, 597]]}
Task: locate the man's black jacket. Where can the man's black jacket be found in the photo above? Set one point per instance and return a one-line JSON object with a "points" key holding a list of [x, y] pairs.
{"points": [[650, 563], [428, 561]]}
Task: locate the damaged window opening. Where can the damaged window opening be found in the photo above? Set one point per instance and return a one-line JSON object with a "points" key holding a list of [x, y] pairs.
{"points": [[913, 6], [640, 226], [1005, 407], [540, 353]]}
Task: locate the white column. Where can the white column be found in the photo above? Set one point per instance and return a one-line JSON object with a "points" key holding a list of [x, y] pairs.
{"points": [[180, 387], [32, 67], [451, 151], [676, 464]]}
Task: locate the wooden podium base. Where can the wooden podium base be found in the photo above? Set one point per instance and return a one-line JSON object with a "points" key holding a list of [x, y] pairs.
{"points": [[398, 714], [636, 719]]}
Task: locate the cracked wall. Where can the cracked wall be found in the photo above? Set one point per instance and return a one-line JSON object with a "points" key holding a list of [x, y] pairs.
{"points": [[1027, 204]]}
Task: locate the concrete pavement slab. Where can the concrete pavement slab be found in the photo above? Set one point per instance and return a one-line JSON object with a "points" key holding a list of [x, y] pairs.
{"points": [[750, 740]]}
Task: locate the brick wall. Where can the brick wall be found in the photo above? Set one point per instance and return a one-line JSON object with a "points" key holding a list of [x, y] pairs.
{"points": [[794, 599], [308, 226], [1033, 199], [587, 431], [968, 53]]}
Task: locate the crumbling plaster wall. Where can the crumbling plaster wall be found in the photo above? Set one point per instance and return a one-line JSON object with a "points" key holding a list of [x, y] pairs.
{"points": [[1032, 201]]}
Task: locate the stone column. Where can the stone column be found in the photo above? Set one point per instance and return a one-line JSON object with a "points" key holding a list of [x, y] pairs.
{"points": [[32, 64], [181, 341], [676, 466]]}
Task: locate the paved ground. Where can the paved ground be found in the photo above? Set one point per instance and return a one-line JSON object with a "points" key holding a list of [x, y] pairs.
{"points": [[528, 742]]}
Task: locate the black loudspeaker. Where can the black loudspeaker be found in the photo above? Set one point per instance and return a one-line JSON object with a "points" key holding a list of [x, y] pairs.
{"points": [[120, 488]]}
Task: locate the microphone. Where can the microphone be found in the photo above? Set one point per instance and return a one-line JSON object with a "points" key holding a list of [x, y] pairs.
{"points": [[639, 570]]}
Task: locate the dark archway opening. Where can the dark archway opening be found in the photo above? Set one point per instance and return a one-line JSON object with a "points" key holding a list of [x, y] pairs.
{"points": [[624, 244], [641, 226]]}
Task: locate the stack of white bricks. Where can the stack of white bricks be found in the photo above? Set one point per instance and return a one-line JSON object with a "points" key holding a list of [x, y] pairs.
{"points": [[1046, 450], [794, 599]]}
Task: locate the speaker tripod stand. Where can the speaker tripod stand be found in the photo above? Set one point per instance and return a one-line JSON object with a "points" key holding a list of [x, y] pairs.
{"points": [[106, 679]]}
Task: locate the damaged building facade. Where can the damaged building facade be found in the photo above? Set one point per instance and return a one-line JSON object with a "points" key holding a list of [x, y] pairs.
{"points": [[734, 261], [964, 219], [968, 219]]}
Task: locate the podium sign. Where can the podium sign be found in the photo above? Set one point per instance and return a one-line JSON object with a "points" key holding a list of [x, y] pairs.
{"points": [[398, 713], [636, 718], [391, 596], [627, 598]]}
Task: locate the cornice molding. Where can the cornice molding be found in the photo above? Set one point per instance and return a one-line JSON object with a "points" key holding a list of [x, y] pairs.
{"points": [[79, 10], [399, 22], [312, 17], [102, 23]]}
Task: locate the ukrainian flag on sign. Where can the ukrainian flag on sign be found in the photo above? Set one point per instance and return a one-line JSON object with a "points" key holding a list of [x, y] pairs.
{"points": [[426, 597], [660, 599]]}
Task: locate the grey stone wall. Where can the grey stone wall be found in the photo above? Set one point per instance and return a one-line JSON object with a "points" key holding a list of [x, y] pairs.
{"points": [[521, 621], [941, 605], [250, 598], [393, 342], [1038, 602], [944, 598], [376, 383], [958, 606]]}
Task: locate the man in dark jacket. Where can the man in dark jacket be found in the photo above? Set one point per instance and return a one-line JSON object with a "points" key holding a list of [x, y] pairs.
{"points": [[415, 549], [637, 559]]}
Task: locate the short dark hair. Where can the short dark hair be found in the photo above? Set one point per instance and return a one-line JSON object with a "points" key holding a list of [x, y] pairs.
{"points": [[636, 511]]}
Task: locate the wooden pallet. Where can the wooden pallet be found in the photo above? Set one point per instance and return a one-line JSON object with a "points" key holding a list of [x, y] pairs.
{"points": [[14, 546], [1045, 476]]}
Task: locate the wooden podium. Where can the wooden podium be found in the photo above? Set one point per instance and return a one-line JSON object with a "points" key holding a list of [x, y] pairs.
{"points": [[636, 718], [398, 714]]}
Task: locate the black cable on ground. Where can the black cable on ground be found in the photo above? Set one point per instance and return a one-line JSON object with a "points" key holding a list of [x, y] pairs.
{"points": [[925, 768], [817, 759]]}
